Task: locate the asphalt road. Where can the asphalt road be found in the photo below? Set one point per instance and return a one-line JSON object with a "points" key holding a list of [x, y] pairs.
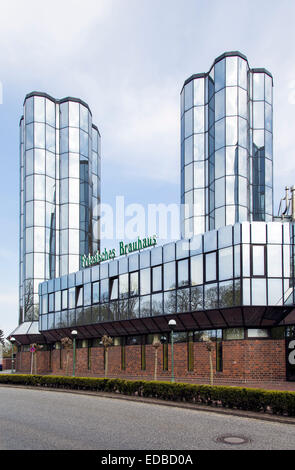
{"points": [[48, 420]]}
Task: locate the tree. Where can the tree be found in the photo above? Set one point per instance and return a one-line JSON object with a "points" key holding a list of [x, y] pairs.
{"points": [[107, 341], [34, 348], [156, 345], [67, 344]]}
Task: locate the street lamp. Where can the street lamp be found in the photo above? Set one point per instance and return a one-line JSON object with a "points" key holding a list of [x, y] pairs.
{"points": [[172, 325], [12, 340], [74, 335]]}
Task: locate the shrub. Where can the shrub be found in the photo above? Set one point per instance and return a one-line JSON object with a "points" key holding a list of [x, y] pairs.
{"points": [[277, 402]]}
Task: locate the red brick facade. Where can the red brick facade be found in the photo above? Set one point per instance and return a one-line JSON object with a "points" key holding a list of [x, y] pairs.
{"points": [[243, 361]]}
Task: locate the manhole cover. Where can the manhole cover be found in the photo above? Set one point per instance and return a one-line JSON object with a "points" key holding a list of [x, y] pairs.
{"points": [[233, 440]]}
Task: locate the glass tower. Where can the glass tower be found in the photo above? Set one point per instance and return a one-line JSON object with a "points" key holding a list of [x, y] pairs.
{"points": [[59, 192], [226, 146]]}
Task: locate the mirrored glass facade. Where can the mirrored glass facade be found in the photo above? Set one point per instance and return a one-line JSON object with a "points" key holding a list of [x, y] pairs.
{"points": [[59, 192], [226, 146], [224, 278]]}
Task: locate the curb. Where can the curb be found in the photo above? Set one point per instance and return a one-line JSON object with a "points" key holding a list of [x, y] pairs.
{"points": [[153, 401]]}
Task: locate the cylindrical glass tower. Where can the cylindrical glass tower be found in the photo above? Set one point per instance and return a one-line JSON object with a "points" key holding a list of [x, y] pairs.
{"points": [[226, 145], [60, 192]]}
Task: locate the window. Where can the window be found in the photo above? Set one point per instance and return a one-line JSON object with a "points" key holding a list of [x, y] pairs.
{"points": [[157, 279], [123, 286], [145, 281], [169, 276], [257, 333], [87, 294], [210, 267], [114, 288], [104, 290], [79, 293], [233, 333], [95, 292], [182, 273], [258, 260], [64, 299], [196, 270], [134, 284], [58, 301], [219, 364]]}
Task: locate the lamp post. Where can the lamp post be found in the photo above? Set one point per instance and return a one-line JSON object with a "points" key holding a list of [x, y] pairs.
{"points": [[172, 325], [74, 335], [12, 341]]}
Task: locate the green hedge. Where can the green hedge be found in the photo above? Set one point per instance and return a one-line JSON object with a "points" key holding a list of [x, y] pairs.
{"points": [[277, 402]]}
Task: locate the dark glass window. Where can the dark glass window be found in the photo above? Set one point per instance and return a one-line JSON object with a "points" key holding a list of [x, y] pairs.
{"points": [[79, 293], [114, 288]]}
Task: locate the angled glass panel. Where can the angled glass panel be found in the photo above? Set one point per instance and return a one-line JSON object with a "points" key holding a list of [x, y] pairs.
{"points": [[219, 75], [226, 294], [29, 110], [188, 95], [219, 134], [258, 86], [219, 163], [157, 304], [210, 296], [73, 114], [225, 263], [243, 69], [258, 260], [220, 104], [199, 91], [145, 306], [157, 279], [258, 287], [258, 115], [231, 131], [188, 150], [170, 302], [169, 276], [275, 294], [199, 119], [231, 101], [274, 260], [199, 147], [210, 260], [50, 112], [39, 109], [231, 71], [134, 283], [50, 138], [188, 123], [145, 281]]}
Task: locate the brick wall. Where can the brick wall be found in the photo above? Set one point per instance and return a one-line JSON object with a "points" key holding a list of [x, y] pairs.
{"points": [[243, 360]]}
